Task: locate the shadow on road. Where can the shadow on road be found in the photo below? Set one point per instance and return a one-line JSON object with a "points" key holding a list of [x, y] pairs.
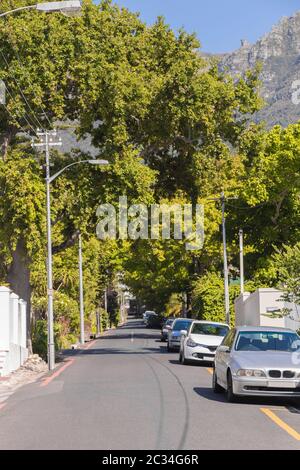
{"points": [[201, 365], [151, 335], [209, 394], [114, 351]]}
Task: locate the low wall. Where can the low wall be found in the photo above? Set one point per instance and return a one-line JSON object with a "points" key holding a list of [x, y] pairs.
{"points": [[13, 347], [16, 357]]}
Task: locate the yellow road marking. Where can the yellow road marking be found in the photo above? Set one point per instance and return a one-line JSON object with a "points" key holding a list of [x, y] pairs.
{"points": [[210, 370], [281, 423]]}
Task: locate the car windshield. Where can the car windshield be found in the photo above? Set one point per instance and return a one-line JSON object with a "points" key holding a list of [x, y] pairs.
{"points": [[169, 322], [209, 329], [181, 325], [268, 341]]}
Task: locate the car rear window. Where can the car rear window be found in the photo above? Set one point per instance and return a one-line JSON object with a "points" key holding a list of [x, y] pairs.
{"points": [[181, 325]]}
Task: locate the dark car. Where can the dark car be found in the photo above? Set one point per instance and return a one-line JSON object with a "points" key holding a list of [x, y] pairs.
{"points": [[154, 321], [166, 327]]}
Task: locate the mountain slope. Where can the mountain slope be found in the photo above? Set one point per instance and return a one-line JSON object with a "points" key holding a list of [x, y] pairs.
{"points": [[279, 52]]}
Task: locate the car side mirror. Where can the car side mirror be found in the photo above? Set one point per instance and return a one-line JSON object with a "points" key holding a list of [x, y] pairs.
{"points": [[183, 332]]}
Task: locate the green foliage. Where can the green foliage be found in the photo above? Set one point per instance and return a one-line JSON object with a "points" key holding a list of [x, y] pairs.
{"points": [[40, 338], [208, 298], [174, 306], [66, 326], [104, 319], [287, 265], [173, 127], [22, 202]]}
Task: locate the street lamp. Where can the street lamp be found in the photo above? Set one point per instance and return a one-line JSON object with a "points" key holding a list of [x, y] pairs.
{"points": [[68, 7], [81, 298], [46, 142]]}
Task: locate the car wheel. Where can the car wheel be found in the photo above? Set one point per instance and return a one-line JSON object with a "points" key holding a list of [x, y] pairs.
{"points": [[231, 397], [182, 358], [216, 387]]}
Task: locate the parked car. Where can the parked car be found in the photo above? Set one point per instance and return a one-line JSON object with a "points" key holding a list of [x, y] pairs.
{"points": [[154, 321], [179, 327], [146, 315], [201, 341], [166, 327], [258, 361]]}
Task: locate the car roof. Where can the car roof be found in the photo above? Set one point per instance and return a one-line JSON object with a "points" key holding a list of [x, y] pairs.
{"points": [[183, 319], [261, 329], [205, 322]]}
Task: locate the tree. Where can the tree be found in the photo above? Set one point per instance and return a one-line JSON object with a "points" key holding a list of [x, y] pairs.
{"points": [[166, 119], [286, 262]]}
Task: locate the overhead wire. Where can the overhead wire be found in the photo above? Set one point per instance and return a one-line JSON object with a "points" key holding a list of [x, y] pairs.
{"points": [[24, 116], [39, 125]]}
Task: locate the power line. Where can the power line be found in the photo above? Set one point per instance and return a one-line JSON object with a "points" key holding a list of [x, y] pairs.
{"points": [[31, 84], [22, 94], [24, 116]]}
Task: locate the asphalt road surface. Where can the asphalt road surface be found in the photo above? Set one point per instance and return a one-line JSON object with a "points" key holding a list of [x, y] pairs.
{"points": [[126, 392]]}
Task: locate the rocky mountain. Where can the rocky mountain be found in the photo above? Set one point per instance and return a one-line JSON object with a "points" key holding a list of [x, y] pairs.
{"points": [[279, 52]]}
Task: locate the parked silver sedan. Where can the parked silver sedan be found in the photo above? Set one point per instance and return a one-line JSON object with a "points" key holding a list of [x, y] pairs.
{"points": [[260, 361]]}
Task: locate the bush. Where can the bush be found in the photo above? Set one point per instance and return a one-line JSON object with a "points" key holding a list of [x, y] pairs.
{"points": [[208, 298], [115, 317], [104, 320], [66, 323], [40, 338]]}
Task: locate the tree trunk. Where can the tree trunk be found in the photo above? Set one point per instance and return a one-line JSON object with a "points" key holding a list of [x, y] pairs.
{"points": [[19, 280]]}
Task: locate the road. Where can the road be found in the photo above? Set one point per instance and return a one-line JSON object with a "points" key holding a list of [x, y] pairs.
{"points": [[126, 392]]}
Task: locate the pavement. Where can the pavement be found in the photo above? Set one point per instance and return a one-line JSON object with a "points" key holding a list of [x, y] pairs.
{"points": [[125, 392]]}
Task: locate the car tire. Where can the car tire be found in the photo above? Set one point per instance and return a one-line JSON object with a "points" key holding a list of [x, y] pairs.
{"points": [[231, 397], [216, 387], [182, 358]]}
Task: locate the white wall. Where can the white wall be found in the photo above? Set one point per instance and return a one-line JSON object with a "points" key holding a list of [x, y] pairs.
{"points": [[256, 309], [5, 323], [13, 351]]}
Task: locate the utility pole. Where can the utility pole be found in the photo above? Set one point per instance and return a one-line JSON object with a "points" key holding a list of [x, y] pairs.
{"points": [[223, 200], [242, 277], [81, 299], [105, 299], [226, 282], [46, 141]]}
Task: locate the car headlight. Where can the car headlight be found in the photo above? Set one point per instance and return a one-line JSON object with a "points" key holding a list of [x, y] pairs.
{"points": [[191, 344], [250, 373]]}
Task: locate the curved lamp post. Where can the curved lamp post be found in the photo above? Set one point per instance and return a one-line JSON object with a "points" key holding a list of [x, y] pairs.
{"points": [[68, 8], [49, 180]]}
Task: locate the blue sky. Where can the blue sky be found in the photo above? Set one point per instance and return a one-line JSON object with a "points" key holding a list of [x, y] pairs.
{"points": [[219, 24]]}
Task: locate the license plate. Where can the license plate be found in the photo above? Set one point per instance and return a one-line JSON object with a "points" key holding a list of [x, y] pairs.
{"points": [[208, 359], [282, 384]]}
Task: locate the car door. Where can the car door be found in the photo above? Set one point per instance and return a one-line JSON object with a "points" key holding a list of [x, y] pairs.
{"points": [[223, 357]]}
